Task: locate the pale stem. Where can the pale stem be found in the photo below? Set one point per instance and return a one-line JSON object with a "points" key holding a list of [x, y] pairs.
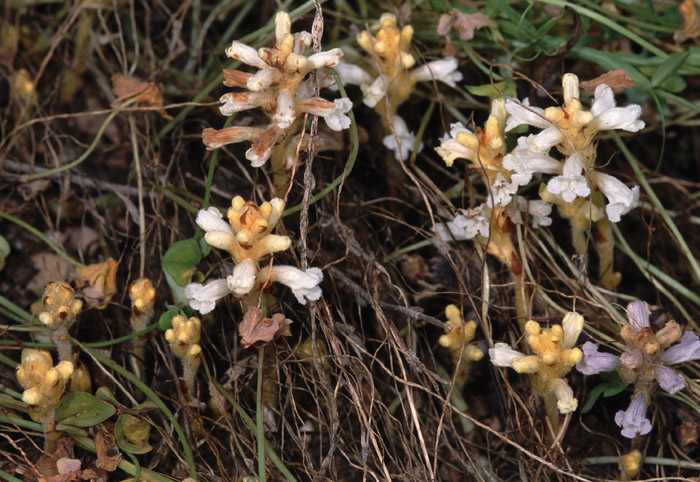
{"points": [[605, 247]]}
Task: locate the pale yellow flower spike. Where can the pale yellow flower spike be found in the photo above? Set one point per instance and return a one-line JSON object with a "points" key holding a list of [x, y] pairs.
{"points": [[554, 356], [143, 295], [44, 386], [630, 464], [184, 338], [456, 341], [60, 311]]}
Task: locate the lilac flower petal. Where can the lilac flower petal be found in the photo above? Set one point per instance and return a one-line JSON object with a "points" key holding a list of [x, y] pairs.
{"points": [[633, 421], [688, 349], [594, 362], [668, 379], [638, 314]]}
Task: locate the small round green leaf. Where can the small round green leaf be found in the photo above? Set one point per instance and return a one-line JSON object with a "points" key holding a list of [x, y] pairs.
{"points": [[83, 410], [165, 322], [181, 259], [132, 434]]}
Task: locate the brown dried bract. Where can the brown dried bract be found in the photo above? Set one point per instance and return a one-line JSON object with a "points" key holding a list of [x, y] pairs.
{"points": [[147, 94], [101, 281], [464, 23], [615, 79], [235, 78], [257, 330]]}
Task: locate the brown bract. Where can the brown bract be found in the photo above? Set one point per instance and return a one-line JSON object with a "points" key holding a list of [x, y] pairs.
{"points": [[99, 282], [615, 79], [257, 330], [147, 94]]}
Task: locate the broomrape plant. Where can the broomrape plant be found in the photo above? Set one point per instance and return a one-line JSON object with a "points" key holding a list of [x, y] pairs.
{"points": [[247, 236], [284, 90], [645, 365], [393, 78]]}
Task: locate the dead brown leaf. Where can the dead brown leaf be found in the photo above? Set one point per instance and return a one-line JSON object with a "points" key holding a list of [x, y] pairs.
{"points": [[108, 455], [255, 329], [147, 94], [464, 23], [615, 79], [51, 267], [100, 281]]}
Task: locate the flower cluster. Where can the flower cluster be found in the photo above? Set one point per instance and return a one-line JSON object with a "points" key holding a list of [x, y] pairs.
{"points": [[44, 386], [248, 237], [575, 187], [645, 364], [183, 338], [456, 340], [60, 311], [573, 132], [283, 89], [143, 296], [554, 356], [392, 78]]}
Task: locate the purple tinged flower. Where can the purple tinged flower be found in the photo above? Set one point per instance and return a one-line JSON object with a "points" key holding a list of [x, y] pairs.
{"points": [[638, 314], [594, 362], [632, 359], [668, 379], [633, 421], [688, 349]]}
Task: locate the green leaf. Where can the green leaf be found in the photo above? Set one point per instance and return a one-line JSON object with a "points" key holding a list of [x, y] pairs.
{"points": [[83, 410], [612, 389], [674, 84], [4, 251], [165, 321], [132, 434], [494, 91], [668, 68], [592, 397], [181, 259]]}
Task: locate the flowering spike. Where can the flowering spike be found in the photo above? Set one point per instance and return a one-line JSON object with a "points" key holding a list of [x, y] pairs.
{"points": [[60, 311]]}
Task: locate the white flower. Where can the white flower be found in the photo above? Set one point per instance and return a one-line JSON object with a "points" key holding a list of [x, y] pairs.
{"points": [[304, 284], [330, 58], [352, 74], [373, 92], [524, 113], [466, 225], [523, 163], [284, 115], [262, 79], [607, 116], [211, 220], [247, 55], [501, 191], [543, 141], [203, 298], [573, 326], [257, 160], [402, 146], [444, 70], [539, 211], [571, 184], [621, 199], [218, 233], [566, 403], [450, 149], [242, 281], [332, 112], [503, 355]]}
